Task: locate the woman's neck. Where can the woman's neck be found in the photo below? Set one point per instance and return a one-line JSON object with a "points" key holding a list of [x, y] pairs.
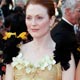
{"points": [[43, 42]]}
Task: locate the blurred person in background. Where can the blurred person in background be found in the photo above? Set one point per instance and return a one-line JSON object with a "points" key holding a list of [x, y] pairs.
{"points": [[20, 3], [7, 7], [63, 33], [2, 20], [58, 13]]}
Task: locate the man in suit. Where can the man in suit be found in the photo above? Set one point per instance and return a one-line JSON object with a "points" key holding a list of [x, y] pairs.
{"points": [[63, 33]]}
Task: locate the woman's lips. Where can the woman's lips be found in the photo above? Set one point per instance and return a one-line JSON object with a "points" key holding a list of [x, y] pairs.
{"points": [[35, 30]]}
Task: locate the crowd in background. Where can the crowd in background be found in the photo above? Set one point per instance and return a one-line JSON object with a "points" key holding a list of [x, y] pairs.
{"points": [[12, 19]]}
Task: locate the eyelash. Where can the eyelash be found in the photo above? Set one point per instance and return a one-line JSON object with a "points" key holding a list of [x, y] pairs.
{"points": [[29, 18], [39, 17]]}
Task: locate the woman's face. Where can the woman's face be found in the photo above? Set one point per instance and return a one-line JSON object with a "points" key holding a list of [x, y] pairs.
{"points": [[37, 20]]}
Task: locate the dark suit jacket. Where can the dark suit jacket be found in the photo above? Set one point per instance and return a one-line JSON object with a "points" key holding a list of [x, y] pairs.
{"points": [[64, 36]]}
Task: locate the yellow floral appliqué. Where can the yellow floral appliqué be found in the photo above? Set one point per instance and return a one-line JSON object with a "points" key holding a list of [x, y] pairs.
{"points": [[78, 49], [8, 35], [22, 35]]}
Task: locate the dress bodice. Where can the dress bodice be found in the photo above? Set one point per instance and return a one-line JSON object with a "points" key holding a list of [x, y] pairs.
{"points": [[46, 69]]}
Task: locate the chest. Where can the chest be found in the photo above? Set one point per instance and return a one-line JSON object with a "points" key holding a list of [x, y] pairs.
{"points": [[35, 56]]}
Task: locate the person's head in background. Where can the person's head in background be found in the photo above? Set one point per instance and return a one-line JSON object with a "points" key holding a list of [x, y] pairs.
{"points": [[55, 2], [59, 3], [20, 3], [7, 2], [71, 10], [0, 1], [39, 17]]}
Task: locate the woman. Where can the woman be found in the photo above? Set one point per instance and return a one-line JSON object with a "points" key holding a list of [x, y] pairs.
{"points": [[37, 59]]}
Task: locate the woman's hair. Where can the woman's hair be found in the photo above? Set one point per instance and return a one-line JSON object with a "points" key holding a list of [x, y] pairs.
{"points": [[48, 4]]}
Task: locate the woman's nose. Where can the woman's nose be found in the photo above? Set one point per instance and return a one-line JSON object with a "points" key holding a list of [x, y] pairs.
{"points": [[33, 22]]}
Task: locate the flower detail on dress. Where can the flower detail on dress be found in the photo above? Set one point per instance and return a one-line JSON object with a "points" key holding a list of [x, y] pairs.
{"points": [[47, 61], [20, 63]]}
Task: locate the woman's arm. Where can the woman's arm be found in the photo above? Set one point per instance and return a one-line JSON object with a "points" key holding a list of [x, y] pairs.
{"points": [[70, 73], [9, 72], [78, 72]]}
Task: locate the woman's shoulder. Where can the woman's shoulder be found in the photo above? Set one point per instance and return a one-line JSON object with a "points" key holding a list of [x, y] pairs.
{"points": [[25, 48], [26, 45]]}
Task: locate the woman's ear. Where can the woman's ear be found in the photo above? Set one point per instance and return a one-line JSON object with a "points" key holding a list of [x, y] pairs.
{"points": [[52, 20]]}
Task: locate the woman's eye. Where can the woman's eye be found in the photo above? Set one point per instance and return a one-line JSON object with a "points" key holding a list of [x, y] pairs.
{"points": [[39, 17], [28, 18]]}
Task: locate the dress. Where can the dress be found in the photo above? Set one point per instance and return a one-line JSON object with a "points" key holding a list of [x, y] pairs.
{"points": [[46, 69]]}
